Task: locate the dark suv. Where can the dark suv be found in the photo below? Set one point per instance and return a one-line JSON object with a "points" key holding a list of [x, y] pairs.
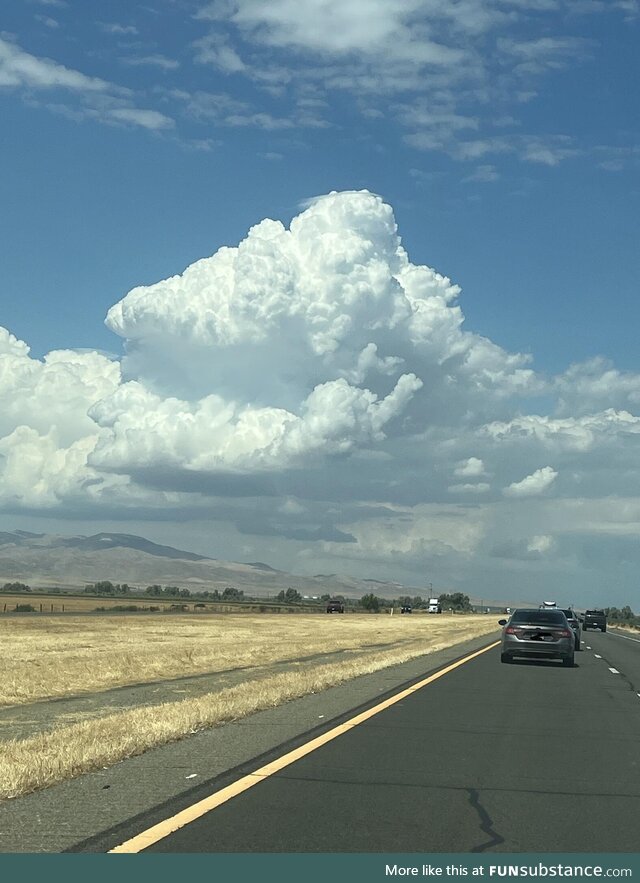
{"points": [[335, 605], [594, 619]]}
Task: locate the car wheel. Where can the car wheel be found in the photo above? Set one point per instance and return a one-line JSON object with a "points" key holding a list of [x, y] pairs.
{"points": [[578, 647], [604, 629], [504, 657], [585, 628], [568, 661]]}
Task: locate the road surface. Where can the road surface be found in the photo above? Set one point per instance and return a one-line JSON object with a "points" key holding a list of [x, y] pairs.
{"points": [[529, 757]]}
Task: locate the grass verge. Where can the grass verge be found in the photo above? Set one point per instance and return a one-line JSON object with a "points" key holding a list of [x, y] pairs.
{"points": [[52, 657], [30, 764]]}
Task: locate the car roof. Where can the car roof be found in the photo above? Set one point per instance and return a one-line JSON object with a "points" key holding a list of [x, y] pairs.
{"points": [[536, 611]]}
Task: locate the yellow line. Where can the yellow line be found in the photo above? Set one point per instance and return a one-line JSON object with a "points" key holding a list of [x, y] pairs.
{"points": [[191, 813]]}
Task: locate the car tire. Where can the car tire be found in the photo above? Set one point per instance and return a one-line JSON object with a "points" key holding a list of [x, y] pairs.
{"points": [[604, 629], [578, 647], [568, 661], [585, 628], [505, 657]]}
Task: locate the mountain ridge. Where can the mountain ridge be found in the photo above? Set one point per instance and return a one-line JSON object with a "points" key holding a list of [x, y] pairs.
{"points": [[46, 560]]}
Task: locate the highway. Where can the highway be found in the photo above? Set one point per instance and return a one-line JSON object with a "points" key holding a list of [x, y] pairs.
{"points": [[529, 757]]}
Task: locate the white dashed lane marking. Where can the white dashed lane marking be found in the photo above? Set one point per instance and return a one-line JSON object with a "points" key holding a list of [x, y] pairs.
{"points": [[614, 670], [596, 656]]}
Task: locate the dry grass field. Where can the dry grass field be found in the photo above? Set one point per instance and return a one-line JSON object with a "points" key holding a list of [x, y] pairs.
{"points": [[50, 603], [47, 657]]}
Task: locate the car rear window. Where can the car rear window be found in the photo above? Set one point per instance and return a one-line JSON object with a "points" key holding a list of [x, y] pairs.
{"points": [[594, 613], [569, 614], [535, 617]]}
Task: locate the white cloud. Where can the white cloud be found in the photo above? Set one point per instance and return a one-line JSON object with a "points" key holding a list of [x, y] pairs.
{"points": [[544, 53], [45, 433], [473, 467], [484, 174], [438, 69], [314, 385], [161, 61], [480, 488], [147, 119], [533, 484], [214, 49], [118, 29], [98, 99], [213, 435], [532, 548], [299, 345], [595, 384], [333, 26], [540, 544], [48, 22], [19, 68], [579, 434]]}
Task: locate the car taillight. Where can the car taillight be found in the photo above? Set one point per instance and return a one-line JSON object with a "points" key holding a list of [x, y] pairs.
{"points": [[566, 633], [511, 631]]}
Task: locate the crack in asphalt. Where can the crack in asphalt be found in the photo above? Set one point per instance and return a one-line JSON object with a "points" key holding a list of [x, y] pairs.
{"points": [[486, 822], [624, 677], [322, 779]]}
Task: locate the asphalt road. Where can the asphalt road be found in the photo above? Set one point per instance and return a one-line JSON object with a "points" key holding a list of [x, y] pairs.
{"points": [[529, 757]]}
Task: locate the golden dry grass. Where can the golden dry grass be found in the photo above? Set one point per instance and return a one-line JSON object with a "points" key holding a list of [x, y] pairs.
{"points": [[49, 603], [29, 764], [50, 657]]}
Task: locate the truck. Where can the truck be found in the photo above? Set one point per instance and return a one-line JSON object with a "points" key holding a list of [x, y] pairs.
{"points": [[434, 605], [335, 605], [594, 619]]}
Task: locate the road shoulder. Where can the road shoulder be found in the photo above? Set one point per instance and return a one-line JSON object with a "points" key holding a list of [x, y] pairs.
{"points": [[74, 814]]}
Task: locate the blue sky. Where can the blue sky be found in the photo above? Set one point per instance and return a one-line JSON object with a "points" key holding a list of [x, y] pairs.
{"points": [[140, 138]]}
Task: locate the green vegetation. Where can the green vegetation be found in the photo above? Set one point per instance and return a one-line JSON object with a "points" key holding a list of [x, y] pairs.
{"points": [[370, 603], [291, 596], [626, 616], [457, 602], [15, 588]]}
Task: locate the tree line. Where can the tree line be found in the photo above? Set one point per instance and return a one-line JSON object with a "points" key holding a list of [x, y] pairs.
{"points": [[456, 601]]}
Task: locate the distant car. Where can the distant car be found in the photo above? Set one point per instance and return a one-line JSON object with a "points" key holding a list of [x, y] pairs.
{"points": [[574, 625], [594, 619], [537, 634], [405, 609], [547, 605], [335, 605]]}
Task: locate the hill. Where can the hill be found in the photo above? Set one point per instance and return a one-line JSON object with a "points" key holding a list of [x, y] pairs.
{"points": [[46, 560]]}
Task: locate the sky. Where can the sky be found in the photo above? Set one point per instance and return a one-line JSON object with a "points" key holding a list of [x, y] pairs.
{"points": [[344, 286]]}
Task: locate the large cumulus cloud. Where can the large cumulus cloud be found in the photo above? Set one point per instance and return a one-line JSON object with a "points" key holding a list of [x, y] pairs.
{"points": [[316, 339], [46, 434], [316, 363]]}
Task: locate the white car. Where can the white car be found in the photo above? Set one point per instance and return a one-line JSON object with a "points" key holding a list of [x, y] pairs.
{"points": [[546, 605]]}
